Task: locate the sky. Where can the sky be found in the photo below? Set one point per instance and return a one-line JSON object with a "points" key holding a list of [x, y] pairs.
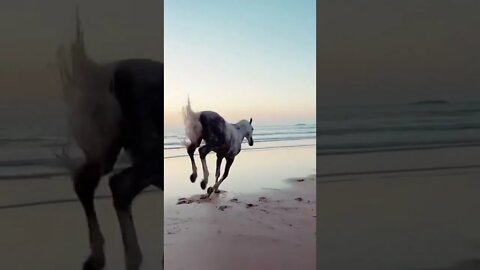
{"points": [[248, 58], [241, 58], [32, 30], [389, 52]]}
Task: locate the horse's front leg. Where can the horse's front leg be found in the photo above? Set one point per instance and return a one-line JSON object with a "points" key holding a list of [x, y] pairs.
{"points": [[191, 150], [203, 151], [86, 179], [230, 160]]}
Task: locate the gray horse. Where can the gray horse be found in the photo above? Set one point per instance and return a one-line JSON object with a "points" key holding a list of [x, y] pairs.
{"points": [[221, 137]]}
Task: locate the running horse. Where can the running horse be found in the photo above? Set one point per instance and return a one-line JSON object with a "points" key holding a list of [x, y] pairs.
{"points": [[111, 107], [221, 137]]}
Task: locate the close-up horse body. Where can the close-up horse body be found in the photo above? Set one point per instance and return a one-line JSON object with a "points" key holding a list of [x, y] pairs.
{"points": [[221, 137], [113, 106]]}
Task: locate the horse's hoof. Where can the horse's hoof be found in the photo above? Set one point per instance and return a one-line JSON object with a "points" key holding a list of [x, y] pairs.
{"points": [[217, 191], [134, 262], [193, 177], [203, 184], [209, 190], [93, 263]]}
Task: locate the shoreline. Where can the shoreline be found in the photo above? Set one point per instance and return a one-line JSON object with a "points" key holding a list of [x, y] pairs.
{"points": [[51, 167], [265, 148]]}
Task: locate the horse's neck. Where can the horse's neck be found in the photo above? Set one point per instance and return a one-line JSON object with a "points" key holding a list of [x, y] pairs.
{"points": [[239, 133]]}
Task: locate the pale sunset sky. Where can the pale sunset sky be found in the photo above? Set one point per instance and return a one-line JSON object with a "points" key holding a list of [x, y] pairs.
{"points": [[30, 94], [396, 52], [240, 58]]}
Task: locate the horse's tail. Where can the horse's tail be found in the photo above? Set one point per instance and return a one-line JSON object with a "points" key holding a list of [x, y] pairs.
{"points": [[193, 127]]}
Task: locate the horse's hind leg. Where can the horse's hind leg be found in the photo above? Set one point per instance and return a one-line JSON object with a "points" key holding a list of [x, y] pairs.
{"points": [[203, 151], [86, 179], [125, 186], [230, 160], [191, 150]]}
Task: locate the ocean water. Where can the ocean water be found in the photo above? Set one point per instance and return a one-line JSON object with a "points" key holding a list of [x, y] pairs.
{"points": [[29, 149], [264, 136], [350, 130]]}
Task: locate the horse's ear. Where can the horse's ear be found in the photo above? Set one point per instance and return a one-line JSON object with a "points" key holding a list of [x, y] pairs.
{"points": [[250, 120]]}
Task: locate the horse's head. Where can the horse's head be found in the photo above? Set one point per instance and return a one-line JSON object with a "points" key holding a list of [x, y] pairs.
{"points": [[248, 129]]}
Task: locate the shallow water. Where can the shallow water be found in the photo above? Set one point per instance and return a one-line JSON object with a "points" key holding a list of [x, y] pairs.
{"points": [[382, 128], [251, 172]]}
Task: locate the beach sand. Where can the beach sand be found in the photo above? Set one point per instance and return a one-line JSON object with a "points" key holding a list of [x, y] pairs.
{"points": [[43, 226], [263, 219], [399, 210]]}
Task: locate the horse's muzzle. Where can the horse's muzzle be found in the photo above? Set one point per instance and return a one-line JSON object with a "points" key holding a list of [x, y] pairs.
{"points": [[250, 142]]}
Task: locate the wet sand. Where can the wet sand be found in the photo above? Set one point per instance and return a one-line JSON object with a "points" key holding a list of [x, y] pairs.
{"points": [[43, 227], [260, 220], [400, 210], [274, 229]]}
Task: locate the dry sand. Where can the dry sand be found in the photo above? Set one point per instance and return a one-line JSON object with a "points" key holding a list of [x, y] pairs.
{"points": [[271, 229], [409, 210]]}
